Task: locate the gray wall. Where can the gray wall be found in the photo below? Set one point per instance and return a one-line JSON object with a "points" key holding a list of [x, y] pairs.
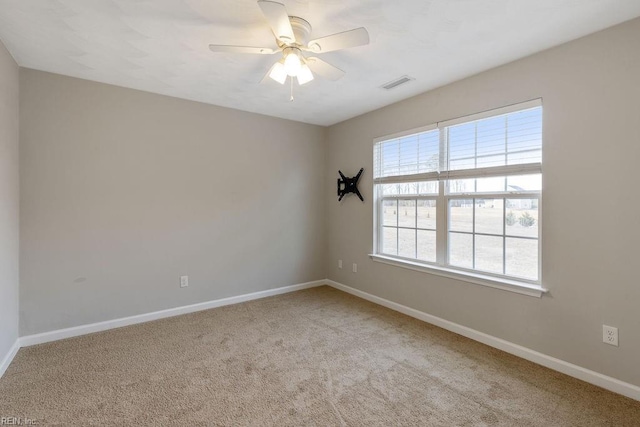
{"points": [[124, 191], [9, 201], [591, 231]]}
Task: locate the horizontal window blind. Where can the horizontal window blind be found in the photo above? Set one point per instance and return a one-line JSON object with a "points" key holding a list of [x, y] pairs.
{"points": [[408, 156], [501, 145], [506, 144]]}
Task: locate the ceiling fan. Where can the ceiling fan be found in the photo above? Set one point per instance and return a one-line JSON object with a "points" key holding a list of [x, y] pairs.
{"points": [[292, 34]]}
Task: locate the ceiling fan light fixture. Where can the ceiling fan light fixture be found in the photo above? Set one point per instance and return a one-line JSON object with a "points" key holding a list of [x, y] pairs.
{"points": [[305, 75], [292, 63], [278, 73]]}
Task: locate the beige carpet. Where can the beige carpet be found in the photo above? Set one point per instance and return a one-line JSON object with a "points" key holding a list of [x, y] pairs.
{"points": [[315, 357]]}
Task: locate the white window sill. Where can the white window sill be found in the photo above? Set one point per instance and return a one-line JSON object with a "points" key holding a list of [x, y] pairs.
{"points": [[478, 279]]}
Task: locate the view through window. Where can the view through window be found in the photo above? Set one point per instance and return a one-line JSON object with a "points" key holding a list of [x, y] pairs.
{"points": [[464, 194]]}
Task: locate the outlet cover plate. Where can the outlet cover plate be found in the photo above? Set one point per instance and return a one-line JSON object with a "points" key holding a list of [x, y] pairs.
{"points": [[610, 335]]}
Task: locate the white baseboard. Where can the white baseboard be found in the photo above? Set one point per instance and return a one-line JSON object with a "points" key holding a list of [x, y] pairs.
{"points": [[60, 334], [570, 369], [8, 358]]}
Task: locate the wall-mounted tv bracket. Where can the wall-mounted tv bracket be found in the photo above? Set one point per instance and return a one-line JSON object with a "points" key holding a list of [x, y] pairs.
{"points": [[349, 185]]}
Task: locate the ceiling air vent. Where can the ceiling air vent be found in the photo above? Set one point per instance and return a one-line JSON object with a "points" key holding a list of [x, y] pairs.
{"points": [[397, 82]]}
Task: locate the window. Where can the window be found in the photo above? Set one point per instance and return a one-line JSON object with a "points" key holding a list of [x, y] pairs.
{"points": [[464, 195]]}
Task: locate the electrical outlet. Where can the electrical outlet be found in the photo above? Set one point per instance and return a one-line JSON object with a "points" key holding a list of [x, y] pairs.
{"points": [[355, 268], [184, 281], [610, 335], [339, 263]]}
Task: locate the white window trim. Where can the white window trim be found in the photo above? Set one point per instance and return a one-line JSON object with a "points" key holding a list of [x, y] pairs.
{"points": [[470, 277], [441, 267], [491, 113], [406, 133]]}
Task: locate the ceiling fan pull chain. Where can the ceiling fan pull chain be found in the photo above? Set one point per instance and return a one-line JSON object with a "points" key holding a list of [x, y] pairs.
{"points": [[291, 99]]}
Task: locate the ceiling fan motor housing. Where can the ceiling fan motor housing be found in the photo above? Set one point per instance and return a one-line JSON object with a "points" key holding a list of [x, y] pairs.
{"points": [[301, 29]]}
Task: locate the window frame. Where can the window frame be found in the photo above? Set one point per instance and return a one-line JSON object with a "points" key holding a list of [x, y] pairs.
{"points": [[442, 198]]}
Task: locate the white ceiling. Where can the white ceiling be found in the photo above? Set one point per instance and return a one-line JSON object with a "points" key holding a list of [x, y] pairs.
{"points": [[161, 46]]}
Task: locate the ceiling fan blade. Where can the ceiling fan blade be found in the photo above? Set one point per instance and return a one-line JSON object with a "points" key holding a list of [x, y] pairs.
{"points": [[324, 69], [240, 49], [278, 19], [351, 38]]}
